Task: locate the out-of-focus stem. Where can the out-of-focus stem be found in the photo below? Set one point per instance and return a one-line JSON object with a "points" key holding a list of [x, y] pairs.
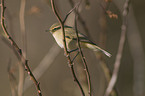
{"points": [[103, 38], [44, 65], [17, 50], [137, 51], [23, 35], [120, 49], [22, 27]]}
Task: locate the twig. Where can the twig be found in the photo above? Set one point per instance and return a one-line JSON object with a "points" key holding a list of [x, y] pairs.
{"points": [[136, 49], [24, 47], [102, 39], [22, 27], [81, 20], [83, 57], [45, 63], [21, 79], [18, 50], [73, 9], [120, 50], [65, 47]]}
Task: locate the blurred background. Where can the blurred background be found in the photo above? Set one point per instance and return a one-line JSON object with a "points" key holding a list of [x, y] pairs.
{"points": [[48, 60]]}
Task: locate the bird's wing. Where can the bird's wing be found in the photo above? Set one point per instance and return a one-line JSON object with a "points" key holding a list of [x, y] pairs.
{"points": [[71, 34], [83, 38]]}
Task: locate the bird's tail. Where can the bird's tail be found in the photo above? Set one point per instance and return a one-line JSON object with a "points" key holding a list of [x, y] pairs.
{"points": [[96, 48]]}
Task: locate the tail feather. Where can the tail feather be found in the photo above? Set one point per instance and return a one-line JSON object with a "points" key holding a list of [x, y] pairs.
{"points": [[96, 48], [106, 53]]}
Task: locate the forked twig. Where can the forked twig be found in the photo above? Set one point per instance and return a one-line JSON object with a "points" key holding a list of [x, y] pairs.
{"points": [[70, 12], [83, 57], [120, 50], [81, 20], [65, 47], [18, 50]]}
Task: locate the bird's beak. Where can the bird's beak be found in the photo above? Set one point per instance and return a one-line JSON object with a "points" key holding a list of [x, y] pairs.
{"points": [[48, 31]]}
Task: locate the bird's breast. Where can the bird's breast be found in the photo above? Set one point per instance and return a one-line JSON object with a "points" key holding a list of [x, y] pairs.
{"points": [[58, 38]]}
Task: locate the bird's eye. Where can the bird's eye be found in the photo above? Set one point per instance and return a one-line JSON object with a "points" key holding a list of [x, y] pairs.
{"points": [[68, 37], [55, 28]]}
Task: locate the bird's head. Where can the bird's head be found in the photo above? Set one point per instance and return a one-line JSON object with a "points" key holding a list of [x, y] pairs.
{"points": [[54, 28]]}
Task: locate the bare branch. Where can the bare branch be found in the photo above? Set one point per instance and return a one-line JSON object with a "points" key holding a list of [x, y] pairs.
{"points": [[65, 47], [22, 27], [24, 46], [82, 56], [73, 9], [18, 50], [136, 48], [102, 41], [120, 50], [81, 20], [45, 63]]}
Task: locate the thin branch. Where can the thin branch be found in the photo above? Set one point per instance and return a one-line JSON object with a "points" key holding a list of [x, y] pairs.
{"points": [[120, 50], [45, 63], [24, 47], [136, 49], [73, 9], [81, 20], [65, 47], [18, 50], [22, 26], [83, 57], [102, 39], [21, 79]]}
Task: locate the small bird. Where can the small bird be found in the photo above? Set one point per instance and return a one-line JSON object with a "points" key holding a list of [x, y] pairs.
{"points": [[71, 39]]}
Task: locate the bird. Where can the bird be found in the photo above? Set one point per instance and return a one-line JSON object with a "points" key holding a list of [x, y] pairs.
{"points": [[71, 39]]}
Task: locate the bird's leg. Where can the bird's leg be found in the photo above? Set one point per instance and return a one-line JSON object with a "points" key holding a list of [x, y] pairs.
{"points": [[75, 56], [73, 50]]}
